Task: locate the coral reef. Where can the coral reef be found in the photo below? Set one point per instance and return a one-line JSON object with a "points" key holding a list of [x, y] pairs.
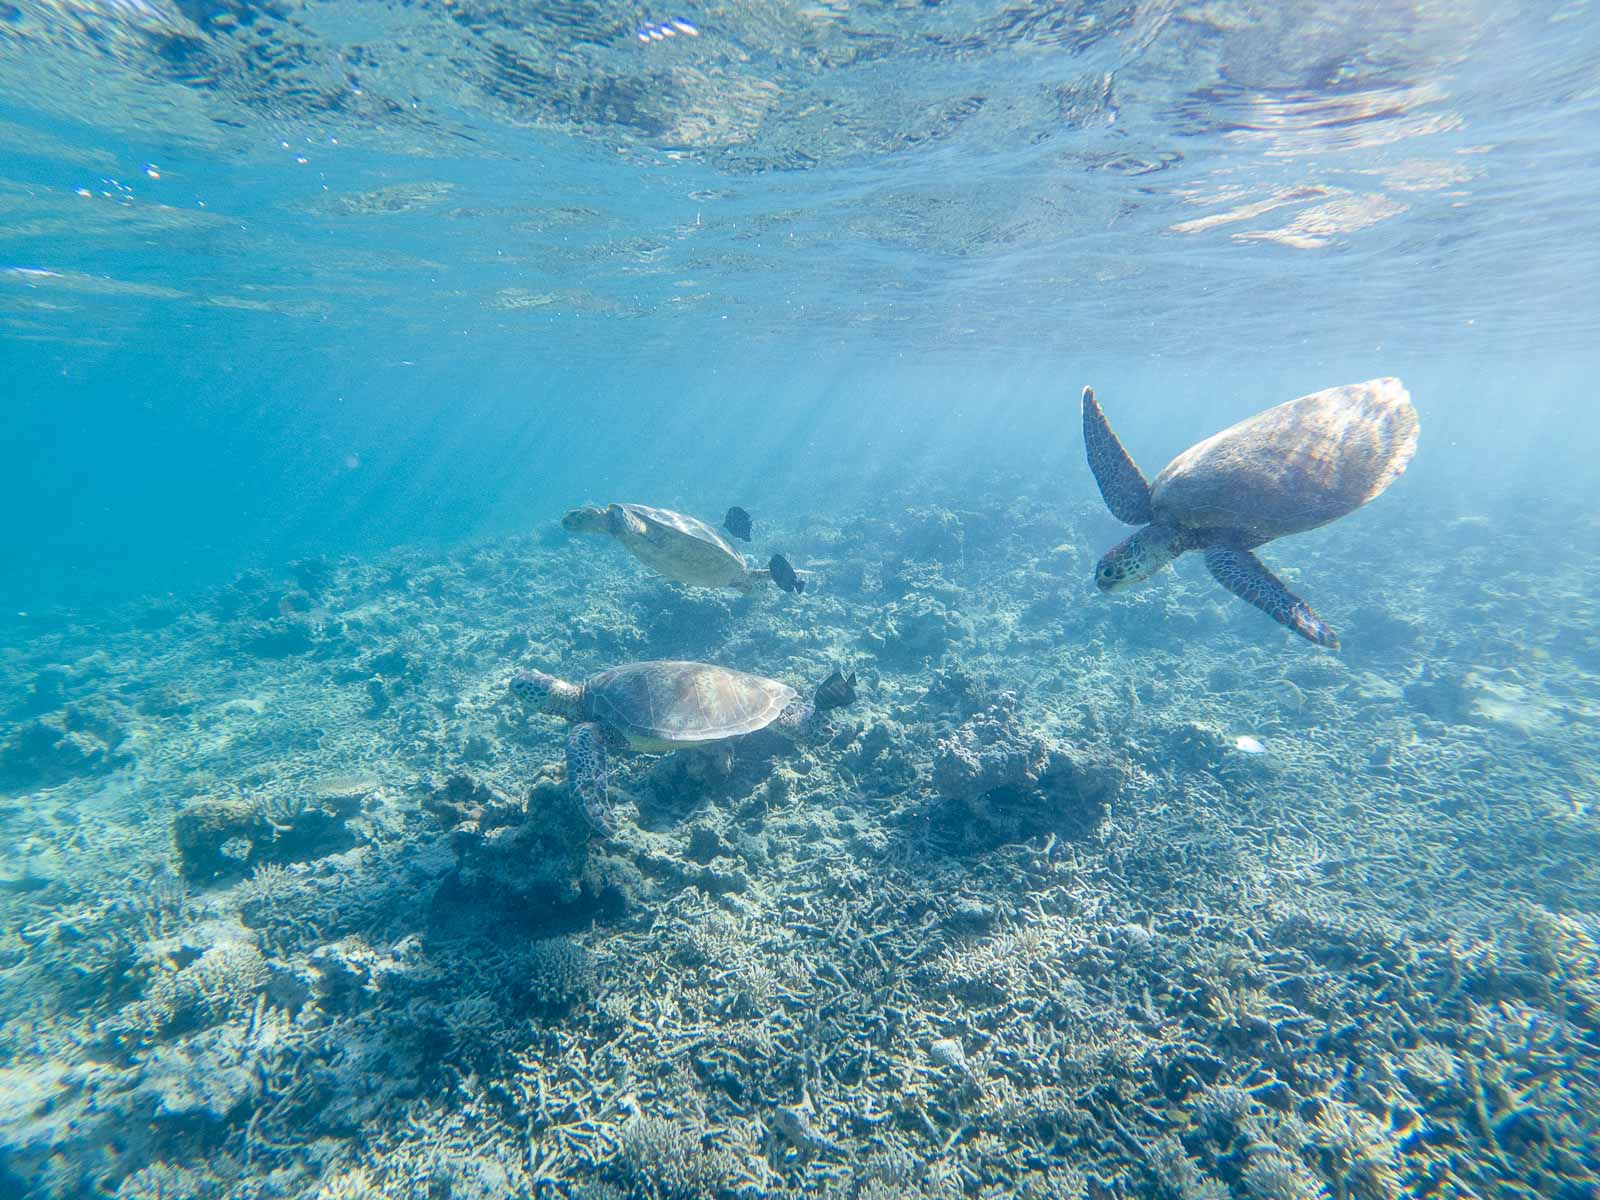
{"points": [[60, 745], [217, 837], [1016, 783], [1080, 899]]}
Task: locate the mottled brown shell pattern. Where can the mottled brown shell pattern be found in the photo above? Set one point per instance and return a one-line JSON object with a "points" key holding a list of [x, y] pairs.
{"points": [[1293, 467], [684, 703]]}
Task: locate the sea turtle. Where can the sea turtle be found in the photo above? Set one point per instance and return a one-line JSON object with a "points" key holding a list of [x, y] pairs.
{"points": [[679, 547], [664, 706], [1290, 468]]}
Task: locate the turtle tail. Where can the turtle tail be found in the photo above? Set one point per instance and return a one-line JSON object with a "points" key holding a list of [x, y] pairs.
{"points": [[1122, 485]]}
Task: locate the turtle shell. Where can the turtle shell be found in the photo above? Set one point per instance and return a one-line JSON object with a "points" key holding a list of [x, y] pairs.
{"points": [[1293, 467], [668, 704], [683, 548]]}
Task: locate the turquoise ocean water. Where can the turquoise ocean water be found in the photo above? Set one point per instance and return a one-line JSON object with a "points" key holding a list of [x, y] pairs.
{"points": [[496, 255], [382, 289]]}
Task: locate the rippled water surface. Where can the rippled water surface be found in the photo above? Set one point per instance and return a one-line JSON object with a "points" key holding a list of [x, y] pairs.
{"points": [[287, 238], [965, 173]]}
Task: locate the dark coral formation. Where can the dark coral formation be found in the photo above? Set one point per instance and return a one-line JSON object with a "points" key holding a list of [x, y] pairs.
{"points": [[216, 837], [1017, 782], [73, 741]]}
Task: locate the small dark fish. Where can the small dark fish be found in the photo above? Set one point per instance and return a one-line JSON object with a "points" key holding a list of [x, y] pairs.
{"points": [[836, 691], [783, 574], [737, 522]]}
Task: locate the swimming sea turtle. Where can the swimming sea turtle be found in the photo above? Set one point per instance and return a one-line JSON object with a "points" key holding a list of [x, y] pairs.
{"points": [[1290, 468], [679, 547], [665, 706]]}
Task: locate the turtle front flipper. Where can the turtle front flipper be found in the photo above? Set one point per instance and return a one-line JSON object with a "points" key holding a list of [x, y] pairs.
{"points": [[1122, 485], [587, 775], [1243, 574]]}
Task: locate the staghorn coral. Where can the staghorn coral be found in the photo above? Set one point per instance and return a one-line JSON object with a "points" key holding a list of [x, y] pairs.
{"points": [[727, 949], [1177, 1176], [1058, 1182], [560, 974], [1007, 963], [475, 1027], [663, 1158], [219, 985], [1220, 1112], [1358, 1150], [1431, 1070], [161, 1181], [888, 1168], [265, 892], [1272, 1173], [347, 1184], [164, 903]]}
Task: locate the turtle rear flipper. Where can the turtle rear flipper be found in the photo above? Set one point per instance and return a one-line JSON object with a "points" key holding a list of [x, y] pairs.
{"points": [[1243, 574], [588, 777], [1122, 485]]}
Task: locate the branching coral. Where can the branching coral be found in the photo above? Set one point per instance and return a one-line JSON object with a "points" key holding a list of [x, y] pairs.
{"points": [[560, 973], [219, 985], [1179, 1177], [663, 1158], [1220, 1112], [1273, 1173], [1359, 1152], [161, 1181]]}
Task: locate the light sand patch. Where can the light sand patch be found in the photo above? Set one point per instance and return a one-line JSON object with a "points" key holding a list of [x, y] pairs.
{"points": [[1503, 700]]}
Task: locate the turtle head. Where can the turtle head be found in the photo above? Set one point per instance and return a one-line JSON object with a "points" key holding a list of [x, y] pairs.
{"points": [[546, 693], [1135, 558], [587, 520]]}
